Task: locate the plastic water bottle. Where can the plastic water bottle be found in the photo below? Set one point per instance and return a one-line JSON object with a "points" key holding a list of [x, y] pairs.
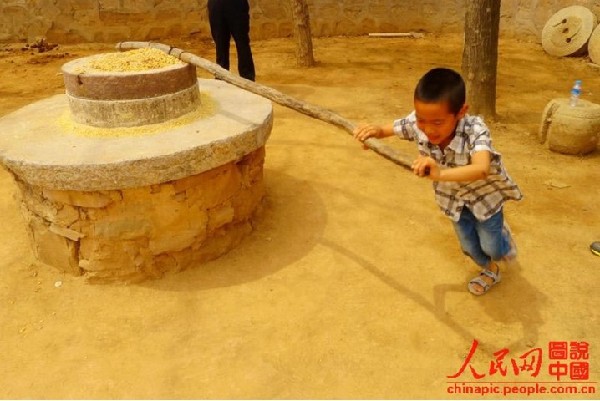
{"points": [[575, 92]]}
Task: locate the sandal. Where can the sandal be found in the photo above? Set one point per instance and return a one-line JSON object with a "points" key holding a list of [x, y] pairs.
{"points": [[485, 287]]}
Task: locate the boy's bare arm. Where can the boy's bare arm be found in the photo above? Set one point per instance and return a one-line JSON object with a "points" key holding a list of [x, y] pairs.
{"points": [[477, 170], [373, 131]]}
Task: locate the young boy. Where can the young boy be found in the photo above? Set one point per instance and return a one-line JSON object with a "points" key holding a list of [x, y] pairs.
{"points": [[469, 178]]}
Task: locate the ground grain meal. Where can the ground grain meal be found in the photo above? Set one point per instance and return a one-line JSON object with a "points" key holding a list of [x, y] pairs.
{"points": [[132, 60]]}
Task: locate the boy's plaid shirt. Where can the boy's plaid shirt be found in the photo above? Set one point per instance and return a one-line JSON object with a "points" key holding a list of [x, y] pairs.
{"points": [[483, 197]]}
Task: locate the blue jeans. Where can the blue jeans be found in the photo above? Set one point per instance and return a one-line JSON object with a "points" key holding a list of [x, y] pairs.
{"points": [[483, 241]]}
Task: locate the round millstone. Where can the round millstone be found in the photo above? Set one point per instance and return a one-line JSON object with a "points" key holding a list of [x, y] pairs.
{"points": [[129, 98], [104, 85], [567, 32], [134, 112]]}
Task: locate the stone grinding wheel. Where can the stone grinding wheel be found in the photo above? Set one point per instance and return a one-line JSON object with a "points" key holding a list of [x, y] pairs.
{"points": [[110, 99], [567, 32], [570, 130], [594, 46]]}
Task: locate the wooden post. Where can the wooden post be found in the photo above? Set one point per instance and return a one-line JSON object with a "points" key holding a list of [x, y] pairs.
{"points": [[304, 47], [480, 55]]}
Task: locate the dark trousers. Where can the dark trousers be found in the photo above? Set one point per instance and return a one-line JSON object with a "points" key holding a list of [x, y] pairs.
{"points": [[231, 18]]}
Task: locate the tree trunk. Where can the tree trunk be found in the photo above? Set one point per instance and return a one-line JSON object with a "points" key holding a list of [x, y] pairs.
{"points": [[480, 55], [301, 20]]}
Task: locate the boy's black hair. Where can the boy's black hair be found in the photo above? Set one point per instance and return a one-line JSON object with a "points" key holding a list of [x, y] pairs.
{"points": [[442, 85]]}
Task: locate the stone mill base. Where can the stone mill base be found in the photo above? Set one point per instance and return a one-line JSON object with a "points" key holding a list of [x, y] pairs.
{"points": [[137, 233]]}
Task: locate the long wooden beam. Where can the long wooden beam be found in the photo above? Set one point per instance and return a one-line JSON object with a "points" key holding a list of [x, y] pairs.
{"points": [[276, 96]]}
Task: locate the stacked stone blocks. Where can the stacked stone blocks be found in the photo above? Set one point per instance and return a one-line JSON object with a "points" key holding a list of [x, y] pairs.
{"points": [[135, 233]]}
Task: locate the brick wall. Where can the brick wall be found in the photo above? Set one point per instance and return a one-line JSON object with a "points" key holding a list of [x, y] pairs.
{"points": [[69, 21]]}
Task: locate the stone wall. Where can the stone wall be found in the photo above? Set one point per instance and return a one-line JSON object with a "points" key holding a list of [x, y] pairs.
{"points": [[69, 21]]}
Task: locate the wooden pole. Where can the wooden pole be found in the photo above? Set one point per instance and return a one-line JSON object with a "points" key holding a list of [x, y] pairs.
{"points": [[276, 96]]}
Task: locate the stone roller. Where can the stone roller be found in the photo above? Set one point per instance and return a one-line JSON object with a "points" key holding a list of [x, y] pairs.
{"points": [[567, 32], [570, 130], [111, 99]]}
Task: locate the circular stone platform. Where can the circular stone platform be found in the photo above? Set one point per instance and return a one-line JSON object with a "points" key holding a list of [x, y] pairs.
{"points": [[128, 207], [38, 148]]}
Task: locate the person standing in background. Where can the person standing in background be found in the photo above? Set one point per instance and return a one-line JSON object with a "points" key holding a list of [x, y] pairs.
{"points": [[231, 18]]}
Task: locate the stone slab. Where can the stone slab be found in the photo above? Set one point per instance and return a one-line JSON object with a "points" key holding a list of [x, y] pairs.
{"points": [[39, 150]]}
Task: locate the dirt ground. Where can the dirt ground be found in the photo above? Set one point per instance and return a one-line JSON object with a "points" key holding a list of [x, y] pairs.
{"points": [[353, 284]]}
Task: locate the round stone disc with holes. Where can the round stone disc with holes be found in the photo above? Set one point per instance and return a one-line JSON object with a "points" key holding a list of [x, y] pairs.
{"points": [[567, 32], [594, 46]]}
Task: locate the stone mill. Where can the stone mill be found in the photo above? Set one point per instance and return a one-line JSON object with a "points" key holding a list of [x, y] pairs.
{"points": [[571, 130], [136, 171]]}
